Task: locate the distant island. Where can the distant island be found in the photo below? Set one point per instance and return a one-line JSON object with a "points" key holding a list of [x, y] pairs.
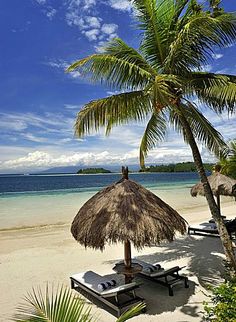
{"points": [[93, 171], [177, 167]]}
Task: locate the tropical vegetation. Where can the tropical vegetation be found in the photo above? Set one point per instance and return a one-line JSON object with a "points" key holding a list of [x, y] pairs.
{"points": [[222, 307], [176, 167], [60, 304], [228, 163], [158, 81], [93, 171]]}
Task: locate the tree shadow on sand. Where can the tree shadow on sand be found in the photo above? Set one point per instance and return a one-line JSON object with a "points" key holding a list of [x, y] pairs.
{"points": [[203, 256]]}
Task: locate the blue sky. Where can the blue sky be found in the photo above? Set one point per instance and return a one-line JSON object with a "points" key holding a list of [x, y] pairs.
{"points": [[39, 101]]}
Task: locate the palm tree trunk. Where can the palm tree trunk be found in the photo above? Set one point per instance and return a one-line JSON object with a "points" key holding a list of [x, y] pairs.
{"points": [[225, 239]]}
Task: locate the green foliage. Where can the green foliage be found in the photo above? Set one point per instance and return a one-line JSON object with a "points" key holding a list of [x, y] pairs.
{"points": [[133, 311], [93, 171], [111, 111], [223, 307], [228, 163], [178, 167], [61, 305], [50, 306]]}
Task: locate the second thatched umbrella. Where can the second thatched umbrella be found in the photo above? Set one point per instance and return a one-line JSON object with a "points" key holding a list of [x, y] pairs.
{"points": [[220, 184], [126, 212]]}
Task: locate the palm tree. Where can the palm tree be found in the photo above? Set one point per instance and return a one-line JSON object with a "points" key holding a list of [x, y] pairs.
{"points": [[228, 163], [61, 305], [158, 80]]}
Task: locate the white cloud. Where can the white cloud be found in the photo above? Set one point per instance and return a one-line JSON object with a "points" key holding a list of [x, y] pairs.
{"points": [[217, 56], [6, 123], [100, 47], [39, 160], [72, 106], [50, 13], [207, 68], [53, 144], [73, 18], [34, 138], [92, 22], [34, 119], [114, 92], [91, 34], [8, 152], [75, 74], [59, 63], [41, 1], [130, 135], [109, 28], [123, 5], [77, 13], [35, 127], [84, 15], [63, 65]]}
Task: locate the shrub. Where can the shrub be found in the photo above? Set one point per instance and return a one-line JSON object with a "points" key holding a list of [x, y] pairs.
{"points": [[223, 306]]}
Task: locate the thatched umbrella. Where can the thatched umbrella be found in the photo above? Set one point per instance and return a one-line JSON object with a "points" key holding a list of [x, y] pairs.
{"points": [[220, 184], [126, 212]]}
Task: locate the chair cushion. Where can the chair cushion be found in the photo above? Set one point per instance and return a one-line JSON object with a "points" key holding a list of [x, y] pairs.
{"points": [[92, 280], [148, 267], [205, 226], [159, 272], [165, 272]]}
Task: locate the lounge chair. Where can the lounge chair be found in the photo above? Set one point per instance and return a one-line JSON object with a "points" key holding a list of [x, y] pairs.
{"points": [[115, 298], [166, 277], [210, 229]]}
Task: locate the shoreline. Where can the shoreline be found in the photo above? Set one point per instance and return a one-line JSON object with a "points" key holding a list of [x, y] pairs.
{"points": [[184, 211], [194, 205]]}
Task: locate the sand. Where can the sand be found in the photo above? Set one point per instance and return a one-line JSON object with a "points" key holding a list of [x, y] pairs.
{"points": [[31, 257]]}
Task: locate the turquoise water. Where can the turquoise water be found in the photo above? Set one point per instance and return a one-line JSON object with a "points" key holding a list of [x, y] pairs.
{"points": [[32, 201]]}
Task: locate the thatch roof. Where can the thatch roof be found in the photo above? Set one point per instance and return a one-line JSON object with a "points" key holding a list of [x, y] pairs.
{"points": [[220, 185], [126, 211]]}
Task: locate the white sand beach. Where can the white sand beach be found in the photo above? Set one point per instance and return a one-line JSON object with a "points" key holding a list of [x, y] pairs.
{"points": [[32, 257]]}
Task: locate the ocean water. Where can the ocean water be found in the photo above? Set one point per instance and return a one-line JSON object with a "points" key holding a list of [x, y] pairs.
{"points": [[33, 200]]}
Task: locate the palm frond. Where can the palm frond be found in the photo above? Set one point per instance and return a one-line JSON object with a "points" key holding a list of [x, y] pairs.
{"points": [[228, 161], [202, 129], [111, 111], [232, 147], [119, 49], [132, 312], [179, 10], [45, 306], [218, 91], [154, 133], [154, 19], [196, 38], [120, 67], [162, 91]]}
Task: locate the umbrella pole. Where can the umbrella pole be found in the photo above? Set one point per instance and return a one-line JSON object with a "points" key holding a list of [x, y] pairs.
{"points": [[218, 202], [127, 260]]}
